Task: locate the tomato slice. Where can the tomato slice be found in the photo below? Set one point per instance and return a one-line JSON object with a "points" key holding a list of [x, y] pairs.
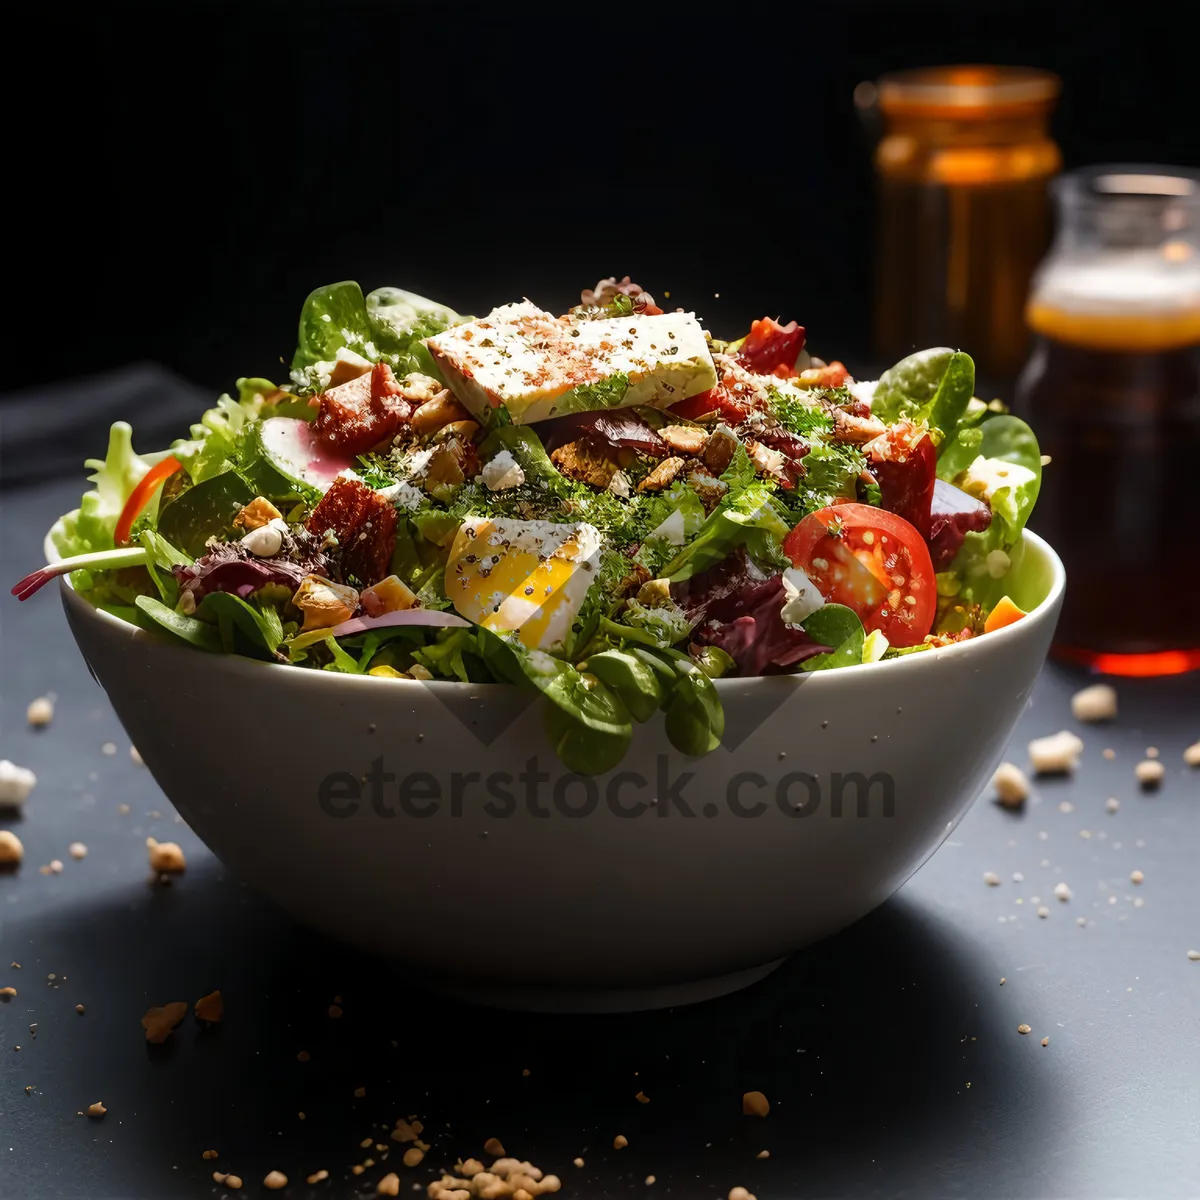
{"points": [[873, 562]]}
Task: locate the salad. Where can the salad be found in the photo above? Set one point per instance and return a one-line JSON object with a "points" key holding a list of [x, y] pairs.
{"points": [[610, 506]]}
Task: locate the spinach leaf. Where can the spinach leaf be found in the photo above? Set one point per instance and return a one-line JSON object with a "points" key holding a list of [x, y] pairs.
{"points": [[694, 719], [396, 319], [190, 629], [837, 626], [934, 386], [262, 627], [634, 681], [205, 509], [332, 317]]}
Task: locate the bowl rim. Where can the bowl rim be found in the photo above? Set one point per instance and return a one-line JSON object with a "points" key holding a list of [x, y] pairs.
{"points": [[959, 652]]}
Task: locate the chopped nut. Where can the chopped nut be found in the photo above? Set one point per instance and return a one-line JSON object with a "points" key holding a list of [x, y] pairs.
{"points": [[1112, 804], [1149, 772], [578, 1162], [15, 784], [359, 1092], [763, 1154], [80, 1009], [719, 450], [303, 1056], [275, 1180], [1193, 955], [317, 1176], [642, 1098], [654, 593], [1055, 755], [324, 604], [388, 595], [96, 1110], [405, 1132], [1010, 785], [1191, 755], [620, 1142], [1151, 751], [1024, 1029], [165, 857], [1109, 754], [109, 748], [586, 461], [7, 993], [1045, 1041], [755, 1104], [663, 475], [158, 1022], [417, 389], [1095, 703], [438, 411], [11, 850], [257, 514], [740, 1193], [1062, 892], [766, 460], [493, 1147], [232, 1182], [1136, 877], [649, 1180], [1043, 912], [209, 1154], [684, 439], [413, 1156], [708, 487], [77, 850], [389, 1185], [991, 878], [335, 1011], [40, 712], [210, 1007]]}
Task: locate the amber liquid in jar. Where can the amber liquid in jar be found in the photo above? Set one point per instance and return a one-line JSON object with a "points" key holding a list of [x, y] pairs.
{"points": [[963, 215], [1113, 391]]}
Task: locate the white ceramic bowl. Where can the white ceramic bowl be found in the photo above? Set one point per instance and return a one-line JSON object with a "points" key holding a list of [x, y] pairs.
{"points": [[542, 903]]}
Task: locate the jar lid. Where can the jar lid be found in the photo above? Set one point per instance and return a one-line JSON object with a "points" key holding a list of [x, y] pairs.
{"points": [[968, 93]]}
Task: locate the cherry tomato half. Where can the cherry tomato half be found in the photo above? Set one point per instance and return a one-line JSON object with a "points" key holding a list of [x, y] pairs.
{"points": [[873, 562]]}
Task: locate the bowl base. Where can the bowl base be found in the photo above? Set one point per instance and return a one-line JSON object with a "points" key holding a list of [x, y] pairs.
{"points": [[598, 1000]]}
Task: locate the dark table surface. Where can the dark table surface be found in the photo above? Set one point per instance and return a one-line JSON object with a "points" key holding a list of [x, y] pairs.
{"points": [[890, 1053]]}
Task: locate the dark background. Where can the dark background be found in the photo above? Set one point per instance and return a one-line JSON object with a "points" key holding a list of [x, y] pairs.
{"points": [[183, 174]]}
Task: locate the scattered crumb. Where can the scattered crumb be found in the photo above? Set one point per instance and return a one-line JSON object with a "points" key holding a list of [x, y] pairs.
{"points": [[506, 1177], [763, 1154], [740, 1193], [166, 858], [389, 1185], [335, 1011], [1066, 807], [1191, 755], [77, 850], [406, 1132], [1010, 785], [210, 1007], [317, 1176], [96, 1110], [649, 1180], [123, 810], [755, 1104], [1024, 1028], [109, 748], [1057, 754], [1003, 980], [493, 1147], [1136, 876], [303, 1056], [578, 1162], [232, 1182], [1149, 772], [1043, 912], [642, 1098], [366, 1143], [1193, 955], [1045, 1041], [1112, 804], [413, 1156], [1151, 751], [1081, 921], [40, 712], [1095, 703], [357, 1169], [275, 1180], [991, 878], [80, 1009], [7, 993], [209, 1154], [15, 784], [620, 1142], [359, 1093], [1062, 892], [1018, 877], [525, 1073], [11, 850], [159, 1022], [135, 757]]}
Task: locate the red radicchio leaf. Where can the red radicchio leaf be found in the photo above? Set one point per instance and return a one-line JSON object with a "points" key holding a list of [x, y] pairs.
{"points": [[769, 345], [619, 427], [407, 616], [954, 515], [906, 473], [229, 567], [740, 612]]}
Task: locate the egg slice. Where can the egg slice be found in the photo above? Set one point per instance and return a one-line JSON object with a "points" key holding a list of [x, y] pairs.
{"points": [[528, 576]]}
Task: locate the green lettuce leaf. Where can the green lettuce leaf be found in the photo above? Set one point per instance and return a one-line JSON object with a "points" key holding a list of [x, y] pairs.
{"points": [[837, 626], [932, 386]]}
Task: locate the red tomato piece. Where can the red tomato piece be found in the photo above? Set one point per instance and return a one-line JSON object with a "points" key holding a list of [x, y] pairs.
{"points": [[770, 346], [873, 562], [717, 399], [904, 463]]}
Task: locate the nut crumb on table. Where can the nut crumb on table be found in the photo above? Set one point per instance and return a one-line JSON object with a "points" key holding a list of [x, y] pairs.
{"points": [[1095, 703], [620, 1142], [1024, 1028], [755, 1104], [275, 1180], [210, 1007], [1010, 785], [991, 878], [1149, 772], [40, 712], [158, 1022], [1191, 755], [1136, 876], [77, 850], [1057, 754], [16, 783], [389, 1185], [97, 1109], [166, 858], [740, 1193]]}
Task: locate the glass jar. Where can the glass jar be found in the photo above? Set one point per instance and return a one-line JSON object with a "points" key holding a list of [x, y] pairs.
{"points": [[1113, 391], [963, 213]]}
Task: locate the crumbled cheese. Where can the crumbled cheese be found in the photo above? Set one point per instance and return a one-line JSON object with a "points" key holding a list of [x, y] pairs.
{"points": [[15, 784], [11, 850], [801, 597], [40, 712], [1095, 703], [1149, 772], [1057, 754], [502, 472], [1010, 785]]}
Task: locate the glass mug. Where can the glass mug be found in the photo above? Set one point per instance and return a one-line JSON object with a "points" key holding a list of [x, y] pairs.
{"points": [[1113, 391], [963, 212]]}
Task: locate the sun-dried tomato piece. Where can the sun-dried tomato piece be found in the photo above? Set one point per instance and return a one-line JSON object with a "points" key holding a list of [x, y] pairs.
{"points": [[769, 346], [364, 524], [361, 413]]}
